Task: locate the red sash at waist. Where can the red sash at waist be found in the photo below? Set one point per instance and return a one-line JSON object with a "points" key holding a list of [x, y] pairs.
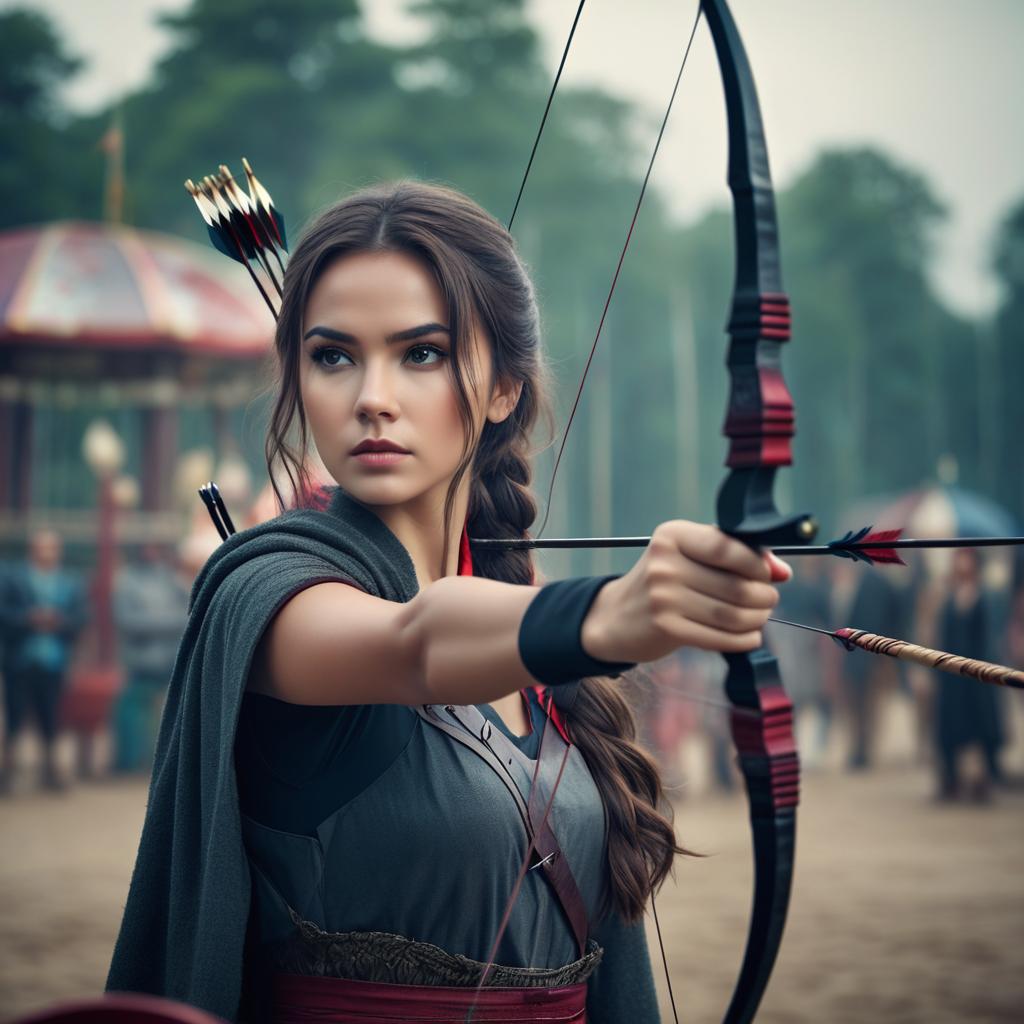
{"points": [[300, 999]]}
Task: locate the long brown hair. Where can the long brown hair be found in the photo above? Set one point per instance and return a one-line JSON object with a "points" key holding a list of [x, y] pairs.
{"points": [[486, 287]]}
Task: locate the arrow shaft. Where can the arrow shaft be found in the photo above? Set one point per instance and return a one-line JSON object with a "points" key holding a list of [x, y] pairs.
{"points": [[874, 643], [812, 549], [984, 671]]}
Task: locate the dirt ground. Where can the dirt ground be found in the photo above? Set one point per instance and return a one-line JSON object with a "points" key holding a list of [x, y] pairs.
{"points": [[903, 910]]}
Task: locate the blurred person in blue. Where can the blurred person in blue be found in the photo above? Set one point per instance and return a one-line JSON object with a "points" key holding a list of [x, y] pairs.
{"points": [[42, 611], [967, 715], [150, 612]]}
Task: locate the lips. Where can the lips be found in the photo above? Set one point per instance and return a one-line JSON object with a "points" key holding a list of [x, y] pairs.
{"points": [[381, 445]]}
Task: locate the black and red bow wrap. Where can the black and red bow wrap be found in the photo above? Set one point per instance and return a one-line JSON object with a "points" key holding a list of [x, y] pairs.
{"points": [[760, 427]]}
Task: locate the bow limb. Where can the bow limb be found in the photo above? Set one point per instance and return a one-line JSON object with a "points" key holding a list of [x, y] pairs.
{"points": [[760, 426]]}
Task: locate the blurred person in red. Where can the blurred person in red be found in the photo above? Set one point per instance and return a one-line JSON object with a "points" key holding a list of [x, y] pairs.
{"points": [[669, 717], [42, 611]]}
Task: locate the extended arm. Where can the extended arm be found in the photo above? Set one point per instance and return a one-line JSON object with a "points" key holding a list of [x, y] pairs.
{"points": [[457, 640]]}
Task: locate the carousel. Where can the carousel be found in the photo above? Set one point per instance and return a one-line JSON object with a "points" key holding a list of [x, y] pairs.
{"points": [[156, 337], [133, 366]]}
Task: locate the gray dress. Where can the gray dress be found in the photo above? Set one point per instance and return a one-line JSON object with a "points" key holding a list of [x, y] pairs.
{"points": [[430, 850]]}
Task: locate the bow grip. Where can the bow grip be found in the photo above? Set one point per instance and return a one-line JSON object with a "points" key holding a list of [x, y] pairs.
{"points": [[767, 531]]}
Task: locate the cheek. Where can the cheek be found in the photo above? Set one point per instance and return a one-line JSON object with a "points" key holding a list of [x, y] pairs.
{"points": [[434, 410], [449, 412], [324, 398]]}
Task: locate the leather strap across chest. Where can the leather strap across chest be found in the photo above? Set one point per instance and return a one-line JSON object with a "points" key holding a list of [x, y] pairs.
{"points": [[468, 726]]}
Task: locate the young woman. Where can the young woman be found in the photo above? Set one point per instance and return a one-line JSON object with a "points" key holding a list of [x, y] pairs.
{"points": [[367, 721]]}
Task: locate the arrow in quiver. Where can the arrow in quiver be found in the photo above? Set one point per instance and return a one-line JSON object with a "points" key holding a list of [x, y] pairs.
{"points": [[245, 227]]}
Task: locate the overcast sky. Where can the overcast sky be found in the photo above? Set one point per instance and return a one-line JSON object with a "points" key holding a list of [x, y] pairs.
{"points": [[937, 83]]}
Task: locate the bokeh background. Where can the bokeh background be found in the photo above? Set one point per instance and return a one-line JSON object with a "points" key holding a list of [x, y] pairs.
{"points": [[134, 366]]}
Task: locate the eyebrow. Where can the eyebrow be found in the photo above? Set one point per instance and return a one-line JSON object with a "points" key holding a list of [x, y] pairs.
{"points": [[408, 335]]}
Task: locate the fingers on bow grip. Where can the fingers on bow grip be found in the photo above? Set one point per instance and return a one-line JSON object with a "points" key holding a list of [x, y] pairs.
{"points": [[710, 546]]}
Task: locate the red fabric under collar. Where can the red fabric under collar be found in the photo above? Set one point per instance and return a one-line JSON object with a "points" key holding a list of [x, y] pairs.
{"points": [[465, 555], [543, 695]]}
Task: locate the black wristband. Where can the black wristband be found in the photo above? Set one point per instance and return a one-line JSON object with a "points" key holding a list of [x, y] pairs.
{"points": [[549, 635]]}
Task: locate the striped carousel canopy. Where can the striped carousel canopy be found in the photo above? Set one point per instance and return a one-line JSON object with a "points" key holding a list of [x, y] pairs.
{"points": [[111, 286]]}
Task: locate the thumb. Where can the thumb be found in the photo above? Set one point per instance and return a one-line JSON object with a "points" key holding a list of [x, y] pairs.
{"points": [[780, 570]]}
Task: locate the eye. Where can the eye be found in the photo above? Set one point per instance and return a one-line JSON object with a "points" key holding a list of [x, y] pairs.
{"points": [[425, 355], [324, 355]]}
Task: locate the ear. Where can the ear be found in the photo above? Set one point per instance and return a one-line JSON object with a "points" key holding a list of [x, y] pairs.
{"points": [[504, 399]]}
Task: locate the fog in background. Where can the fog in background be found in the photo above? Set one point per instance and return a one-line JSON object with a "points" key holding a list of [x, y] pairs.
{"points": [[936, 82]]}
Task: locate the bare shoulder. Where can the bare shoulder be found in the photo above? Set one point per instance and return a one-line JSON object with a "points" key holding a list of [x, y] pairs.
{"points": [[332, 643]]}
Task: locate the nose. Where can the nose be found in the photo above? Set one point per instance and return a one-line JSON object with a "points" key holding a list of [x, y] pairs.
{"points": [[377, 397]]}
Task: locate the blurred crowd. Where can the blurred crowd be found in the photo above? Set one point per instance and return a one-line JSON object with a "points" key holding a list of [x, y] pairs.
{"points": [[842, 700], [45, 608], [61, 691]]}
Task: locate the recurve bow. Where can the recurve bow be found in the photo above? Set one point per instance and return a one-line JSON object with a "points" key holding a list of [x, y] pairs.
{"points": [[759, 425]]}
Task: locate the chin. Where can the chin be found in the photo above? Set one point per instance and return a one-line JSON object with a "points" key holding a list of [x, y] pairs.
{"points": [[393, 492], [380, 492]]}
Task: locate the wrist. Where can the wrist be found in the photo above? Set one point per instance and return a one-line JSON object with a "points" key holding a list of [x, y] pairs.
{"points": [[551, 633], [596, 633]]}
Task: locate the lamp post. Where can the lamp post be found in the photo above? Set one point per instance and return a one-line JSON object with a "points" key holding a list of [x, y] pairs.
{"points": [[104, 453], [94, 685]]}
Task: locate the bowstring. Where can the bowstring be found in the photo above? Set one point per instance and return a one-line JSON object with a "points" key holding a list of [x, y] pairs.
{"points": [[531, 846], [544, 118], [579, 394], [524, 865], [664, 959], [618, 269]]}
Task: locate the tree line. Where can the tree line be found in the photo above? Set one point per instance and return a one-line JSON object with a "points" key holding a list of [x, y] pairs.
{"points": [[887, 378]]}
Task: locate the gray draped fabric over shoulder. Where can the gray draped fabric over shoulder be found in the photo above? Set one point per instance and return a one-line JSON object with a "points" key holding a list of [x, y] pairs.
{"points": [[184, 924], [183, 934]]}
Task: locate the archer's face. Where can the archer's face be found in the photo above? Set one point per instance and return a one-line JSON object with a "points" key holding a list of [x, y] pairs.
{"points": [[375, 366]]}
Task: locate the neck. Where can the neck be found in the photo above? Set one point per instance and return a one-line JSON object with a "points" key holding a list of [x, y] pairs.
{"points": [[419, 525]]}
